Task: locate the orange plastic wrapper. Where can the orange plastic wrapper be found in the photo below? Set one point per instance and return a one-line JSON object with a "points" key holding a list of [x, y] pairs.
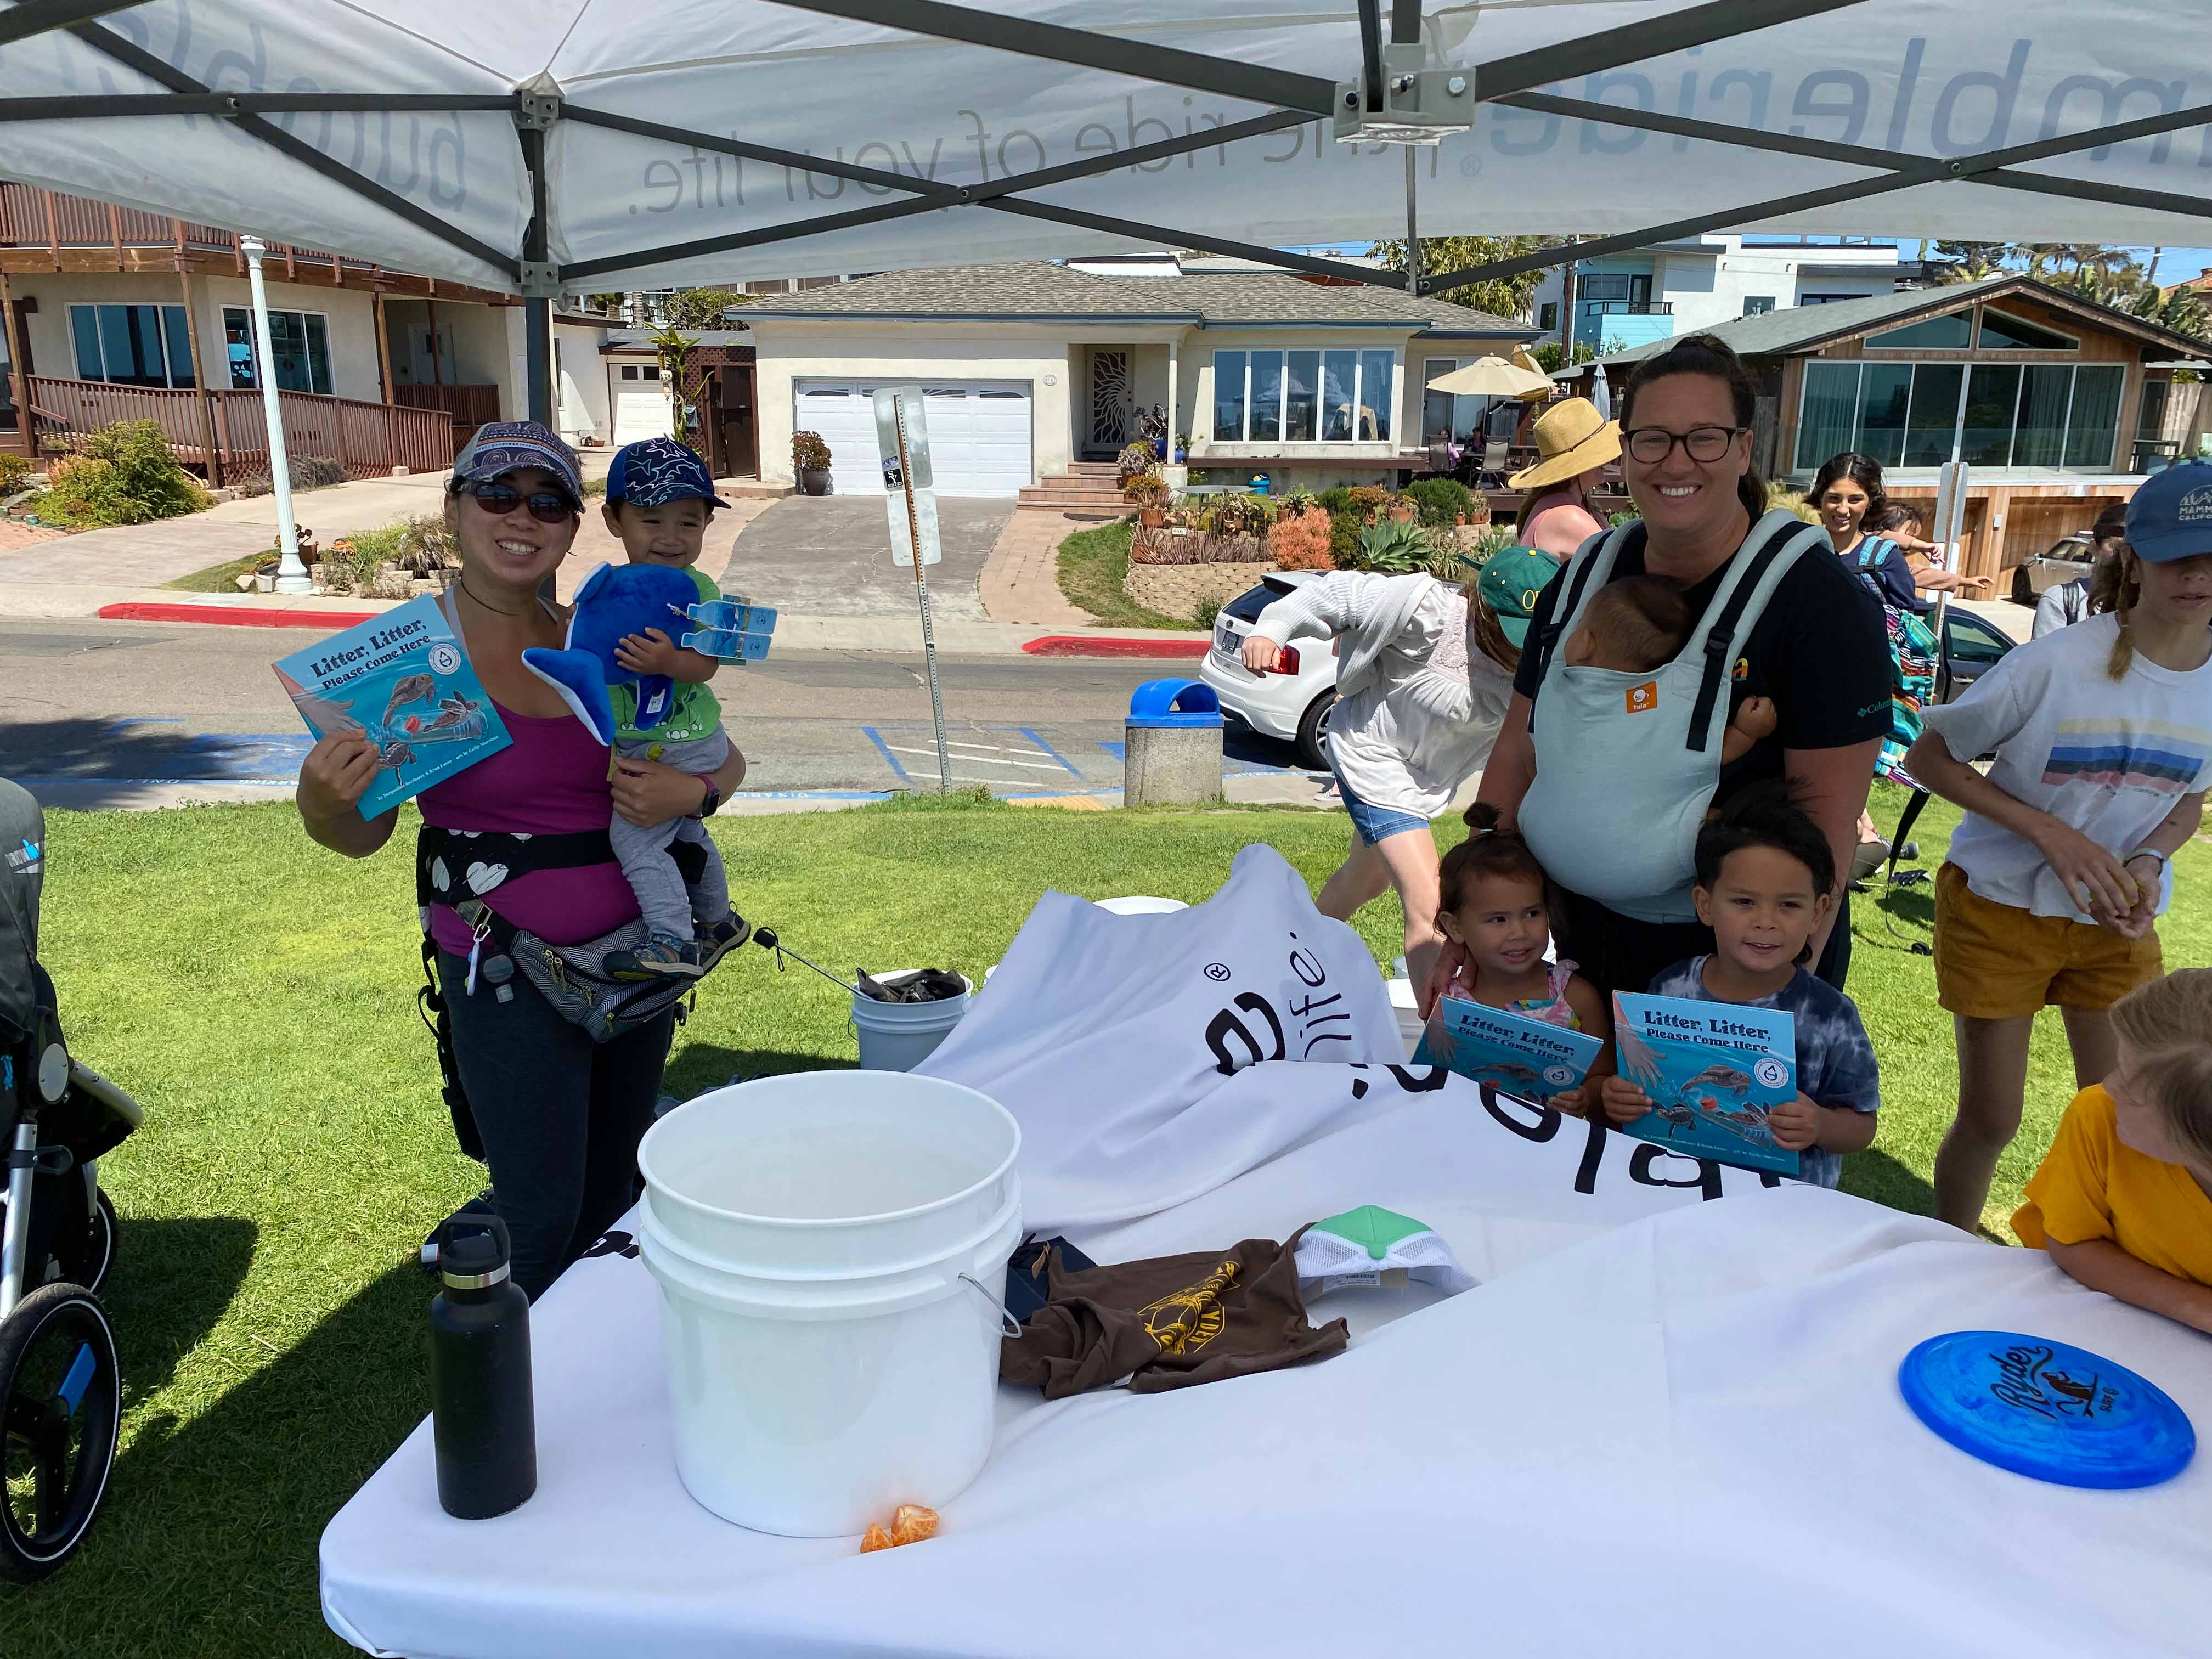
{"points": [[913, 1523], [876, 1539]]}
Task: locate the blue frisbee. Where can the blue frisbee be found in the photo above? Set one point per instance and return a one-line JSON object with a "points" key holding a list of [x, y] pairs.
{"points": [[2046, 1409]]}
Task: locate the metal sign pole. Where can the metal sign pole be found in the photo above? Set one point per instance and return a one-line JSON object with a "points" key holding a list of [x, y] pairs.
{"points": [[921, 597]]}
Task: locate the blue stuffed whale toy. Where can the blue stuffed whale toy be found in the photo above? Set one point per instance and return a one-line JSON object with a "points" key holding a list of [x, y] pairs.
{"points": [[618, 600]]}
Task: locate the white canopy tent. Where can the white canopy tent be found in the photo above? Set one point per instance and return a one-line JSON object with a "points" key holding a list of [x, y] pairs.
{"points": [[564, 145]]}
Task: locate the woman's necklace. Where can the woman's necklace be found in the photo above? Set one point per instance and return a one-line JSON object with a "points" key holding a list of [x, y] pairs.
{"points": [[462, 582]]}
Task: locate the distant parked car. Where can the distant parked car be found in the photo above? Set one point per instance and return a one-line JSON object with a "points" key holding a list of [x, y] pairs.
{"points": [[1292, 704], [2071, 556]]}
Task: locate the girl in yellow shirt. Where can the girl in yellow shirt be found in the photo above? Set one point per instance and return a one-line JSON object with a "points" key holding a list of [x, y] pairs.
{"points": [[2123, 1199]]}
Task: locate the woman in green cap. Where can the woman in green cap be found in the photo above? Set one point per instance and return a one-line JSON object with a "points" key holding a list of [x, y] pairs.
{"points": [[1425, 672]]}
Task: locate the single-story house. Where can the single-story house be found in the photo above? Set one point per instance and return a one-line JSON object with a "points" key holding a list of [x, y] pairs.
{"points": [[2059, 405], [1031, 367]]}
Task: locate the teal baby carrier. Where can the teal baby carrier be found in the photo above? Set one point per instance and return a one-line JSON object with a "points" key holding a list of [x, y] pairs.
{"points": [[1912, 665], [1626, 763]]}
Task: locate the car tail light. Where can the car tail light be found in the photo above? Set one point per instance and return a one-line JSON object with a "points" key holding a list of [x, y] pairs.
{"points": [[1286, 662]]}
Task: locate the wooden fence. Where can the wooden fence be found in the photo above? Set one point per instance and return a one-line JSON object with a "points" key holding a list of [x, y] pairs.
{"points": [[470, 406], [367, 440]]}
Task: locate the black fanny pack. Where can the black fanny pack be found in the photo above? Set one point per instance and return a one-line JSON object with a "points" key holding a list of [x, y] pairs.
{"points": [[458, 869]]}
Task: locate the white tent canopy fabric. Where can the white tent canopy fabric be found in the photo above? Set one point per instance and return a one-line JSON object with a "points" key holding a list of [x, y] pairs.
{"points": [[1766, 115]]}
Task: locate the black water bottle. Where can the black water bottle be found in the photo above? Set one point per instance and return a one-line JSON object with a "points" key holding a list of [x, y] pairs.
{"points": [[480, 1401]]}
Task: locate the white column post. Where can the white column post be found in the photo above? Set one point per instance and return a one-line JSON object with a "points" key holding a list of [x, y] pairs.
{"points": [[291, 575], [1174, 407]]}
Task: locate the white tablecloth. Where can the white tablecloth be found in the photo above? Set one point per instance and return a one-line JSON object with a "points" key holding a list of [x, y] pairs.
{"points": [[1659, 1426]]}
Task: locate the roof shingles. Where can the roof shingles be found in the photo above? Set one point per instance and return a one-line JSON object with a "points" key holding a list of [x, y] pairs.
{"points": [[1038, 288]]}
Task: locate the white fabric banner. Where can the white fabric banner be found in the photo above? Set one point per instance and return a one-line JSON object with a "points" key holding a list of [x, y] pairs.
{"points": [[1658, 1425], [1884, 74]]}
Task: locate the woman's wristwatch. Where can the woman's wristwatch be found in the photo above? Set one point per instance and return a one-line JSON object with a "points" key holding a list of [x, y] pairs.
{"points": [[711, 802]]}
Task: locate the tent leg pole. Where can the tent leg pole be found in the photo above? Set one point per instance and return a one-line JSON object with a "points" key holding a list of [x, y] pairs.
{"points": [[538, 359], [291, 575], [1412, 236]]}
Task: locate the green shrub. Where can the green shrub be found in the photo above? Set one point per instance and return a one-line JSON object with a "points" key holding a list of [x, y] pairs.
{"points": [[1345, 524], [1394, 548], [123, 474], [1441, 501], [1337, 498], [1208, 610], [809, 453], [13, 469]]}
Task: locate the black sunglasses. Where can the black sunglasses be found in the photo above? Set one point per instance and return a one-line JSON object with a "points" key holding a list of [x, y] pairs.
{"points": [[546, 506]]}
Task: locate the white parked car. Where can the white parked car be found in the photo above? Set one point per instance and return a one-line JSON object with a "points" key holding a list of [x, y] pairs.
{"points": [[1291, 703]]}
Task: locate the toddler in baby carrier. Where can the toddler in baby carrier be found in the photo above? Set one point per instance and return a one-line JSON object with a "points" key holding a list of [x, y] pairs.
{"points": [[1639, 624], [61, 1396]]}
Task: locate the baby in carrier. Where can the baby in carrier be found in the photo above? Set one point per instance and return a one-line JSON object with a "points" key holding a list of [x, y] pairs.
{"points": [[1639, 624]]}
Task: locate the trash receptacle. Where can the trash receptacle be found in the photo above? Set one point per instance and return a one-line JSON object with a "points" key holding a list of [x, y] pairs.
{"points": [[1173, 754]]}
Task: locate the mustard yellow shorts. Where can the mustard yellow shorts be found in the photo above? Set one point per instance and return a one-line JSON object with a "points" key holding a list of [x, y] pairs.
{"points": [[1998, 962]]}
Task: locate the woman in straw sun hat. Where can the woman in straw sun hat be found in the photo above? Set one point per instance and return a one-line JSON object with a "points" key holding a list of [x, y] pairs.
{"points": [[1573, 441]]}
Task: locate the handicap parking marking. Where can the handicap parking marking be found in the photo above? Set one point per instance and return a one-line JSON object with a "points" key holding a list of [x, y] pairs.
{"points": [[975, 755], [1232, 766], [153, 750]]}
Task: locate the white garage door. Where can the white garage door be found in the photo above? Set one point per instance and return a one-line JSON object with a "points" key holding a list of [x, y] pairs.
{"points": [[641, 415], [979, 434]]}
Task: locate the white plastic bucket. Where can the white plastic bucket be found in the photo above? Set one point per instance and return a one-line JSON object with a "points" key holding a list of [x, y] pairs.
{"points": [[901, 1036], [831, 1249], [897, 1036]]}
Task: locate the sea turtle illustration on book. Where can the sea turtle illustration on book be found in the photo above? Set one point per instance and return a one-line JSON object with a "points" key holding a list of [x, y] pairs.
{"points": [[1720, 1076], [410, 688], [1509, 1075]]}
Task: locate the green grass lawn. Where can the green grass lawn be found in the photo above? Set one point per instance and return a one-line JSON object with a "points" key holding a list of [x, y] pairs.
{"points": [[1092, 564], [255, 993]]}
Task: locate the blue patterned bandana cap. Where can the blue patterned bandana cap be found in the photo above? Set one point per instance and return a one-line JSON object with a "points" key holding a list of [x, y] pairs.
{"points": [[655, 471]]}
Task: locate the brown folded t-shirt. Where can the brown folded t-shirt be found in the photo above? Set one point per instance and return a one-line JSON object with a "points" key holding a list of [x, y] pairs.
{"points": [[1168, 1322]]}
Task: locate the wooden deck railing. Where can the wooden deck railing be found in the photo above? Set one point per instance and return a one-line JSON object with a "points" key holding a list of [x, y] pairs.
{"points": [[31, 217], [367, 439], [469, 405]]}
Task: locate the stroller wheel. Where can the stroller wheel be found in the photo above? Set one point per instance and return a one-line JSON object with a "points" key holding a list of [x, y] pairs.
{"points": [[99, 1255], [61, 1407]]}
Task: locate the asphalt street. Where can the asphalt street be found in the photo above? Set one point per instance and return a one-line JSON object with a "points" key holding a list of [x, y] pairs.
{"points": [[100, 715]]}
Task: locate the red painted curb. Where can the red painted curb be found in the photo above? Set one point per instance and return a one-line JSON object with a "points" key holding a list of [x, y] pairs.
{"points": [[235, 616], [1070, 645]]}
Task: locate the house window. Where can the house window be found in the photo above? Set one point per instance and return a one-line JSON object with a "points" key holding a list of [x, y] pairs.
{"points": [[1996, 415], [301, 339], [1758, 305], [1547, 314], [1953, 332], [2002, 332], [1827, 299], [651, 371], [630, 371], [132, 345], [1598, 285], [1303, 397]]}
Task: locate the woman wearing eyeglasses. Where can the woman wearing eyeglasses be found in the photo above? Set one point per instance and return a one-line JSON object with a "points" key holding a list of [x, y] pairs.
{"points": [[1608, 775], [559, 1116]]}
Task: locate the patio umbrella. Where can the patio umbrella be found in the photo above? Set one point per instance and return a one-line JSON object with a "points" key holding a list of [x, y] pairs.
{"points": [[1601, 394], [1494, 377]]}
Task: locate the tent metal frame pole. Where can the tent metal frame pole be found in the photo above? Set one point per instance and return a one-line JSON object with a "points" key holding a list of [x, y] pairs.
{"points": [[35, 17], [225, 104], [537, 311], [1140, 59], [308, 155], [1918, 170], [1984, 170]]}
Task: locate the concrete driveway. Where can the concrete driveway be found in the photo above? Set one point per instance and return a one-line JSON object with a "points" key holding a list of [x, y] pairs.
{"points": [[830, 556]]}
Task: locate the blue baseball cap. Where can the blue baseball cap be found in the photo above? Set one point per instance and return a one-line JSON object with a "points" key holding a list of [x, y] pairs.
{"points": [[503, 446], [2171, 516], [654, 471]]}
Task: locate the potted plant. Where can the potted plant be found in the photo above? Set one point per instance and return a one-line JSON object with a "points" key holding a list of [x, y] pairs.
{"points": [[1148, 493], [810, 460], [1181, 447]]}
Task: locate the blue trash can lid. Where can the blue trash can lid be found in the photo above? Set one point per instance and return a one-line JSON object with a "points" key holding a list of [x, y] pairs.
{"points": [[1165, 704], [2046, 1409]]}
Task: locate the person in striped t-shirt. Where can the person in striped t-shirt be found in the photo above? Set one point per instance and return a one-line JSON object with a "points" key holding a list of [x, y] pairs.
{"points": [[2102, 739]]}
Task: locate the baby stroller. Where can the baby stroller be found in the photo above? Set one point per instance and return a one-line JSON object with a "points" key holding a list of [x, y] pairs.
{"points": [[61, 1397]]}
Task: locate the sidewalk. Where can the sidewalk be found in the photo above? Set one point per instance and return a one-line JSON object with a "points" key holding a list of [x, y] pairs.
{"points": [[1020, 582]]}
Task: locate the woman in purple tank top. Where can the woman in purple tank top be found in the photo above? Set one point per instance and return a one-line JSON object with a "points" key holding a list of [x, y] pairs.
{"points": [[559, 1115]]}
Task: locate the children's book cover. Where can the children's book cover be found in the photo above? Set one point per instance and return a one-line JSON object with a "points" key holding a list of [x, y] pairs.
{"points": [[401, 681], [1526, 1057], [1713, 1070]]}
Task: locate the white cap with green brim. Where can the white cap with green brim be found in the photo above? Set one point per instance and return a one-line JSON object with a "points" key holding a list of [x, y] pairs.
{"points": [[1359, 1246]]}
